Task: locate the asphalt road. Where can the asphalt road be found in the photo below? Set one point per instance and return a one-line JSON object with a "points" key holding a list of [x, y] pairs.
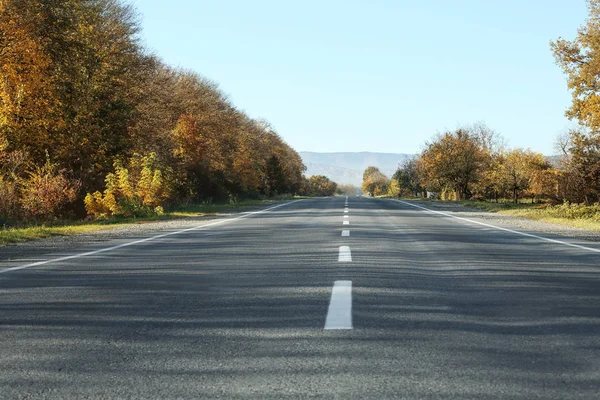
{"points": [[441, 308]]}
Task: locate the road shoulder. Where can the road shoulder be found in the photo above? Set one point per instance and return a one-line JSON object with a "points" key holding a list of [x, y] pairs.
{"points": [[60, 243], [510, 221]]}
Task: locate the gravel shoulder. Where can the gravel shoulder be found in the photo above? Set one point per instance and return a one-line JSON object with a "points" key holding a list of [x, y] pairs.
{"points": [[36, 248]]}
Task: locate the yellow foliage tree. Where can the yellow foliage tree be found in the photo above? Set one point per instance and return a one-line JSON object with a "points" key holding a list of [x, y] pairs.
{"points": [[579, 59], [393, 188], [374, 181], [453, 162]]}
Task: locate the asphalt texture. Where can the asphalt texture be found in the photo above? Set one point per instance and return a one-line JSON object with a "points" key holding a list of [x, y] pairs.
{"points": [[441, 309]]}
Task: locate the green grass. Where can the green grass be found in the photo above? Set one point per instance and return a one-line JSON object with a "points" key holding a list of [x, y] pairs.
{"points": [[12, 235]]}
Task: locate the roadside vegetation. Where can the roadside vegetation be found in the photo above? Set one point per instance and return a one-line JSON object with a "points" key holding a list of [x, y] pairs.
{"points": [[27, 231], [94, 126], [573, 215], [472, 164]]}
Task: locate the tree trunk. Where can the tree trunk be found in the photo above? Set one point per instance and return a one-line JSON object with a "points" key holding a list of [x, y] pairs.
{"points": [[515, 196]]}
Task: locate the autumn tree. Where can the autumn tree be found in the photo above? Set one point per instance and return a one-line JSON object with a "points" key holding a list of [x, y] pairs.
{"points": [[393, 188], [27, 98], [579, 61], [581, 177], [545, 180], [78, 88], [73, 96], [520, 171], [453, 161], [375, 183], [408, 178], [319, 185], [274, 178], [290, 163]]}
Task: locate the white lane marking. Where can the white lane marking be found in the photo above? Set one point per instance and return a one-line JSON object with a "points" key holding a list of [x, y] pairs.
{"points": [[345, 255], [346, 223], [346, 211], [339, 314], [91, 253], [345, 216], [345, 233], [503, 229]]}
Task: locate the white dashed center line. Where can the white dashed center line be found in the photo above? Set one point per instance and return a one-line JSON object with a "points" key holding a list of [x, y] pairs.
{"points": [[339, 315], [345, 254]]}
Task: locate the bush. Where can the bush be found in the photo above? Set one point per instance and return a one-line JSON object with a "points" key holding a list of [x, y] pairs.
{"points": [[141, 190], [46, 192], [10, 205]]}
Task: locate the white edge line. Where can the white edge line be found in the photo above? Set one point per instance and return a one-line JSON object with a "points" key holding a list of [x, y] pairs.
{"points": [[195, 228], [503, 229], [339, 313]]}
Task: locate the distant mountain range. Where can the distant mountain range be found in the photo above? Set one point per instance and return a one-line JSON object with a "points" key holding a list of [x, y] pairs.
{"points": [[347, 168]]}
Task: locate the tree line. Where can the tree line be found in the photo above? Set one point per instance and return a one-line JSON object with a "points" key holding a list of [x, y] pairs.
{"points": [[87, 113], [473, 163]]}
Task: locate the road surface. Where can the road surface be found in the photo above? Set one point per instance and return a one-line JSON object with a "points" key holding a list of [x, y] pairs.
{"points": [[310, 299]]}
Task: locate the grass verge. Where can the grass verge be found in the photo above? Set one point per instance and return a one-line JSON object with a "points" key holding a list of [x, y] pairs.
{"points": [[574, 215], [12, 235], [571, 215]]}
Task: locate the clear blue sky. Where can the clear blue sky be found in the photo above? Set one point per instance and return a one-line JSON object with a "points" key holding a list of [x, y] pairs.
{"points": [[377, 75]]}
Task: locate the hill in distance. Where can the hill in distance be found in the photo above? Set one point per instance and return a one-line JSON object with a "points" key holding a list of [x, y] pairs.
{"points": [[348, 167]]}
